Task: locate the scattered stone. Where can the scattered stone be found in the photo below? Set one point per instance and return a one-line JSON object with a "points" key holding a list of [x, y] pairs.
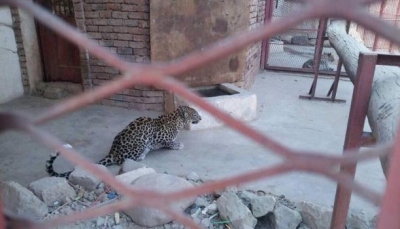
{"points": [[193, 176], [357, 219], [21, 201], [164, 183], [261, 205], [227, 189], [206, 222], [130, 165], [85, 179], [129, 177], [286, 218], [201, 202], [299, 40], [246, 197], [314, 216], [302, 226], [232, 208], [118, 227], [212, 208], [52, 189], [100, 222]]}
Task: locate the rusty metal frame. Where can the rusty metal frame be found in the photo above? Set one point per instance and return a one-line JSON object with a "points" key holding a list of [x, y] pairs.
{"points": [[159, 75]]}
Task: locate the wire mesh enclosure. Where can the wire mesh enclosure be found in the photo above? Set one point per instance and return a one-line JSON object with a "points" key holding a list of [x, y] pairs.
{"points": [[159, 75]]}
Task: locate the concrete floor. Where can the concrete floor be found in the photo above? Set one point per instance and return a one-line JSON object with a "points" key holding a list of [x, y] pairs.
{"points": [[213, 153]]}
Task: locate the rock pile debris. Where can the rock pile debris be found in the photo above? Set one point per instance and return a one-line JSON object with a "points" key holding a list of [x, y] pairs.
{"points": [[229, 208]]}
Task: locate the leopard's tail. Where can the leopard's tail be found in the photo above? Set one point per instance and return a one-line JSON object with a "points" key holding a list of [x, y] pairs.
{"points": [[49, 165]]}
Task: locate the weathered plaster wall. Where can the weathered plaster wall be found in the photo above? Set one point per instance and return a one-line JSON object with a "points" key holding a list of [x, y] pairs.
{"points": [[181, 26], [10, 74]]}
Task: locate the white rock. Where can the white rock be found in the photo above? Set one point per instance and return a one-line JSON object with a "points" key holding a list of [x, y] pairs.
{"points": [[85, 179], [357, 219], [130, 165], [212, 208], [232, 208], [201, 202], [261, 205], [21, 201], [246, 197], [286, 218], [52, 189], [129, 177], [193, 176], [314, 216], [100, 222], [163, 183], [206, 222]]}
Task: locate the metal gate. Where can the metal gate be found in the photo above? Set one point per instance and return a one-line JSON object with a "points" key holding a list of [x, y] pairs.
{"points": [[299, 47], [60, 57]]}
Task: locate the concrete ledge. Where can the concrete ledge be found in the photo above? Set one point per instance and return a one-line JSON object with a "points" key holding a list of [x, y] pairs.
{"points": [[237, 102]]}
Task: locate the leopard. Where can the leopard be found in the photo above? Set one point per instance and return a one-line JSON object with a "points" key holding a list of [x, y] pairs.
{"points": [[141, 136]]}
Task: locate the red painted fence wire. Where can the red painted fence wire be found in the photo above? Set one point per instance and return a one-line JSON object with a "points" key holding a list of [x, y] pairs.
{"points": [[159, 74]]}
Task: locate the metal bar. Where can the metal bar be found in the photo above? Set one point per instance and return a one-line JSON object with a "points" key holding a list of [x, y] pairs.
{"points": [[268, 16], [355, 125], [308, 97], [367, 139], [388, 59], [303, 70], [265, 42], [317, 53]]}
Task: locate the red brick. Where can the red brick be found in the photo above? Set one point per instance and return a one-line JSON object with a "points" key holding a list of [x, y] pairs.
{"points": [[98, 21], [129, 7], [94, 14], [95, 7], [130, 22], [120, 29], [137, 15], [139, 31], [115, 21], [134, 44], [142, 52], [109, 36], [144, 38], [125, 51], [113, 6], [92, 28], [119, 15], [106, 14], [94, 35], [106, 43], [144, 24], [105, 29], [121, 43]]}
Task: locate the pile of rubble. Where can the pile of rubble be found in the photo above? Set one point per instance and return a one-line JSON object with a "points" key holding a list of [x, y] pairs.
{"points": [[230, 208]]}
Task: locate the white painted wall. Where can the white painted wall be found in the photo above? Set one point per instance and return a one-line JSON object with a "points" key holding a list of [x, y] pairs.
{"points": [[10, 73]]}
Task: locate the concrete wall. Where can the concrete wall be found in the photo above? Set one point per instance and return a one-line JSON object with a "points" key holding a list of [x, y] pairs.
{"points": [[10, 75]]}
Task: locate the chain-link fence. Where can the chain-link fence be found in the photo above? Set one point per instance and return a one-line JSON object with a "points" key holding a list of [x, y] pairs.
{"points": [[160, 75]]}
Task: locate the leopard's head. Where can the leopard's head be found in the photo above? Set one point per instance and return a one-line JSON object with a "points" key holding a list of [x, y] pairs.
{"points": [[189, 115]]}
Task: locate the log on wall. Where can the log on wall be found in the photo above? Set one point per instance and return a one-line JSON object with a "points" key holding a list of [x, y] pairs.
{"points": [[384, 105]]}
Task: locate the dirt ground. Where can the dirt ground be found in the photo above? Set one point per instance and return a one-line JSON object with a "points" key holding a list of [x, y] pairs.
{"points": [[212, 153]]}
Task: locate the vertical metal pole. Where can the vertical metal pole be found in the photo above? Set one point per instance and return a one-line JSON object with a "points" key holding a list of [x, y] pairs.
{"points": [[317, 54], [355, 126], [265, 42]]}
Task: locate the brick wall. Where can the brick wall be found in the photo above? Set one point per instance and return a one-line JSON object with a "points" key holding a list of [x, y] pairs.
{"points": [[20, 47], [257, 15], [123, 27]]}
